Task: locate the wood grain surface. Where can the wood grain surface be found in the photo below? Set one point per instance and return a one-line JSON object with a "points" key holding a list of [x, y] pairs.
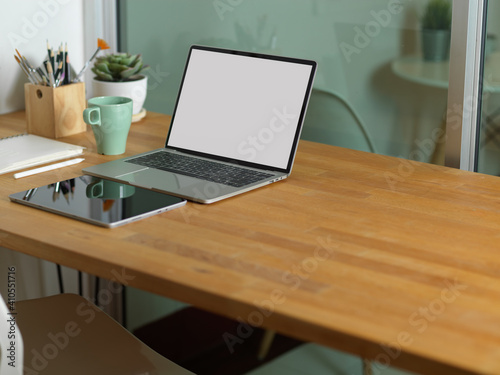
{"points": [[392, 260], [55, 112]]}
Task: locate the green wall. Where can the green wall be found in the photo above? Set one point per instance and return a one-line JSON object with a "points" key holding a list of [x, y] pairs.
{"points": [[353, 42], [163, 31]]}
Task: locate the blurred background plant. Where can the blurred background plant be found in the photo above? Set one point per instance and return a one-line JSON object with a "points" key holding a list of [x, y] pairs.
{"points": [[437, 15]]}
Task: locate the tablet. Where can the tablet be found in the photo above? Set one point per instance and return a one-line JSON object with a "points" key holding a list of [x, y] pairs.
{"points": [[98, 201]]}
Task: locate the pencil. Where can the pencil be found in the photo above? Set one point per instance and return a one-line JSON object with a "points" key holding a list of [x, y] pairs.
{"points": [[59, 55], [58, 74], [64, 54], [67, 73], [66, 66], [49, 50], [51, 74], [52, 58]]}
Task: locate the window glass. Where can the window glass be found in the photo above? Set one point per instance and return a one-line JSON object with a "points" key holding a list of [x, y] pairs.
{"points": [[374, 90], [488, 152]]}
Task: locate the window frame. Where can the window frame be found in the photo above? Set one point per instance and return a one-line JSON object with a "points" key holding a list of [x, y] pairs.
{"points": [[465, 83]]}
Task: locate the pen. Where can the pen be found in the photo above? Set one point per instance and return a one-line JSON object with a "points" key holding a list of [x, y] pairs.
{"points": [[48, 168]]}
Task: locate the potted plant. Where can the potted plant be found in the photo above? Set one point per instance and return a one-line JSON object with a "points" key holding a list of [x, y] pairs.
{"points": [[119, 74], [436, 30]]}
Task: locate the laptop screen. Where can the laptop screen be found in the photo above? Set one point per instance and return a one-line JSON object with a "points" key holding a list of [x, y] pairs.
{"points": [[245, 107]]}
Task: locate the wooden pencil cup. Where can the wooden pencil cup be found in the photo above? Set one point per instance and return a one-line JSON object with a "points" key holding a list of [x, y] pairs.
{"points": [[55, 112]]}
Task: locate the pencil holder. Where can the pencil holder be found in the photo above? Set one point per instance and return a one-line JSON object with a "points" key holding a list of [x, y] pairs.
{"points": [[55, 112]]}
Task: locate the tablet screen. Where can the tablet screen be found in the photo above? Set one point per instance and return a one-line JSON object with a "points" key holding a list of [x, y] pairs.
{"points": [[98, 201]]}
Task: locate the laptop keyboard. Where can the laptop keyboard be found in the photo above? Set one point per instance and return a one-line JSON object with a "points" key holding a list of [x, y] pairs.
{"points": [[200, 168]]}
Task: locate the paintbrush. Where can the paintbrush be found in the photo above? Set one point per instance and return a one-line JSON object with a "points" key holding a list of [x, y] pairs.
{"points": [[101, 45], [27, 68], [24, 69]]}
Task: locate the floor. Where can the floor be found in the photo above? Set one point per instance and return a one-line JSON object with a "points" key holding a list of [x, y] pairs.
{"points": [[208, 344], [311, 359]]}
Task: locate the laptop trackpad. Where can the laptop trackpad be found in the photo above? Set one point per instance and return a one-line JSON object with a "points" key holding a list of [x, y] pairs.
{"points": [[153, 178]]}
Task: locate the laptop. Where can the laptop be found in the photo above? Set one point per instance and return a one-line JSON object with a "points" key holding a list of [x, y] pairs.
{"points": [[235, 127]]}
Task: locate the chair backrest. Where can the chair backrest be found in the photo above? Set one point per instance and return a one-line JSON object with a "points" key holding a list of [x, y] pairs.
{"points": [[11, 342], [332, 120]]}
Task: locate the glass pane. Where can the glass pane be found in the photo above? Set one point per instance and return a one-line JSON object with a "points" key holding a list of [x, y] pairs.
{"points": [[488, 153], [373, 91]]}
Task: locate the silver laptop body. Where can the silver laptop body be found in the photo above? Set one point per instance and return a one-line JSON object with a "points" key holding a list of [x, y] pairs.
{"points": [[242, 111]]}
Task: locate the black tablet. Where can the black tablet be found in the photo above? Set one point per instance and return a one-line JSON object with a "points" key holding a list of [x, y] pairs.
{"points": [[98, 201]]}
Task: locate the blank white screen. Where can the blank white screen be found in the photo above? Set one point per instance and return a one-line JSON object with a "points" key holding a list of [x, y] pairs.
{"points": [[240, 107]]}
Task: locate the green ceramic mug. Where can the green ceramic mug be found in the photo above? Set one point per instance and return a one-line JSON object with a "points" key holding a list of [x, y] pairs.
{"points": [[105, 189], [110, 118]]}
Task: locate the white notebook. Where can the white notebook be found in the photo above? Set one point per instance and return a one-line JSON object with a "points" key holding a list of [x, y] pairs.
{"points": [[28, 150]]}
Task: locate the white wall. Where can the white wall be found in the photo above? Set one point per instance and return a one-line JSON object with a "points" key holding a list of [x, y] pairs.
{"points": [[35, 278], [27, 25]]}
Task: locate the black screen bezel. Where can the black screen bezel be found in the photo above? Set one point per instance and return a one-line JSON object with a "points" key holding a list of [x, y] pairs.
{"points": [[298, 131]]}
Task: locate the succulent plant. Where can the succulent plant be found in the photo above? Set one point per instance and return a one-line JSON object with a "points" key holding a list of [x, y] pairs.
{"points": [[118, 67], [437, 15]]}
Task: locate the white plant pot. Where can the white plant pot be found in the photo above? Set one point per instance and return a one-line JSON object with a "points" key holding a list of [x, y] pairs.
{"points": [[136, 90]]}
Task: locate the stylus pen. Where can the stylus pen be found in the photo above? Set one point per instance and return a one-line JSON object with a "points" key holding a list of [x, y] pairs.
{"points": [[48, 167]]}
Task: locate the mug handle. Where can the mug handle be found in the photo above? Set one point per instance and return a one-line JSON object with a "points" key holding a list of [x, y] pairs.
{"points": [[94, 189], [87, 116]]}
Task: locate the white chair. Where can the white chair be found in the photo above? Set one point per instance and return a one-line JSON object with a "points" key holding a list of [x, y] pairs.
{"points": [[332, 120], [66, 334]]}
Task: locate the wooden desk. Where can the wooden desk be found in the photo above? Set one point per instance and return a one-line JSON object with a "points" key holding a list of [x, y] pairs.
{"points": [[388, 259]]}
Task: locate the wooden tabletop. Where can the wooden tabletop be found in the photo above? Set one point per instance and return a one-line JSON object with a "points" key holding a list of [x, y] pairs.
{"points": [[385, 258]]}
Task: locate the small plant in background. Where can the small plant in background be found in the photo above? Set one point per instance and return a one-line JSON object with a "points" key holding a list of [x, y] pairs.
{"points": [[119, 67], [437, 15]]}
